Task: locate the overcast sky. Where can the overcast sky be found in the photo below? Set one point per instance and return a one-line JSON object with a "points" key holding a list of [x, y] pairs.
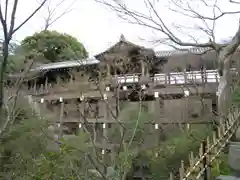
{"points": [[97, 27]]}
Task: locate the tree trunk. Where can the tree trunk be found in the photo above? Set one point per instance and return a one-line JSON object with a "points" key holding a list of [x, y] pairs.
{"points": [[2, 74], [224, 87]]}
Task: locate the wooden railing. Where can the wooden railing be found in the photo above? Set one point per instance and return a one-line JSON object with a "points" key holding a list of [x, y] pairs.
{"points": [[173, 78], [198, 166], [127, 78], [192, 77], [197, 77], [208, 76]]}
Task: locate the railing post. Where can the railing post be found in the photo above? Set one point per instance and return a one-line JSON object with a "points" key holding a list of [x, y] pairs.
{"points": [[175, 78], [195, 77], [166, 78], [204, 75], [185, 76], [216, 77], [169, 78]]}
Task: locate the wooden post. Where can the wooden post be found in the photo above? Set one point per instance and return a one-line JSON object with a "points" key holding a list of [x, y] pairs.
{"points": [[108, 70], [158, 110], [142, 68], [216, 77], [147, 71], [166, 79], [185, 76], [61, 119], [169, 78], [41, 88], [58, 80], [35, 86], [205, 161], [46, 84], [105, 131], [200, 154], [182, 170], [204, 75], [156, 118], [104, 126], [71, 79]]}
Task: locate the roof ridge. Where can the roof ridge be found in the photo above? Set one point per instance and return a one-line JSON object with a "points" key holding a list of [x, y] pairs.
{"points": [[182, 51]]}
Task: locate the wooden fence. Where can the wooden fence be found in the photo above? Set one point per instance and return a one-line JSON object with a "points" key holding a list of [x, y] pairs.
{"points": [[199, 166]]}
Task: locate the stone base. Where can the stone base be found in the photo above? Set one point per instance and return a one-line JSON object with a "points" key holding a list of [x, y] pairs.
{"points": [[237, 135], [227, 178]]}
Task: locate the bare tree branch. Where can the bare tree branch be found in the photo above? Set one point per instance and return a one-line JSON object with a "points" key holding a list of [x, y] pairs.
{"points": [[52, 16], [235, 2], [6, 9], [30, 16], [9, 30], [154, 20]]}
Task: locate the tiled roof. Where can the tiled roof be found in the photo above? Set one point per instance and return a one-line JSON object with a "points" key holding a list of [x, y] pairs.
{"points": [[66, 64], [89, 61], [180, 52]]}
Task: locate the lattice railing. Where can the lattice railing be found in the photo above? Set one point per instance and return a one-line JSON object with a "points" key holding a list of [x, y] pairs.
{"points": [[198, 166]]}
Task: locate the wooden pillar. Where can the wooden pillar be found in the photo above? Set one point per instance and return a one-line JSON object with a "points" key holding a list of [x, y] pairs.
{"points": [[108, 70], [105, 131], [106, 120], [35, 86], [169, 78], [216, 77], [142, 68], [46, 84], [204, 75], [185, 102], [94, 126], [154, 109], [61, 118], [82, 113], [185, 76], [58, 80], [71, 79], [41, 88], [166, 78]]}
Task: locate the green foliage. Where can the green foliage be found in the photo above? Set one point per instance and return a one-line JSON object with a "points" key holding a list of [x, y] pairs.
{"points": [[26, 154], [54, 46], [20, 147], [29, 152], [170, 152], [236, 96], [176, 149], [16, 58], [220, 166]]}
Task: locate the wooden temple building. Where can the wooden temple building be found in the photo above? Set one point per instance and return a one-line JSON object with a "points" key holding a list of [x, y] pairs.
{"points": [[96, 94]]}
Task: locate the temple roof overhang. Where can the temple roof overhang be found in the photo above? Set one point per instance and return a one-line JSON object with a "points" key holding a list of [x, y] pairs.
{"points": [[66, 64], [123, 47]]}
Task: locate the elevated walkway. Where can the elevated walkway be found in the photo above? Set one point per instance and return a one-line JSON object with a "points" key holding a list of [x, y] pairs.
{"points": [[196, 82]]}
